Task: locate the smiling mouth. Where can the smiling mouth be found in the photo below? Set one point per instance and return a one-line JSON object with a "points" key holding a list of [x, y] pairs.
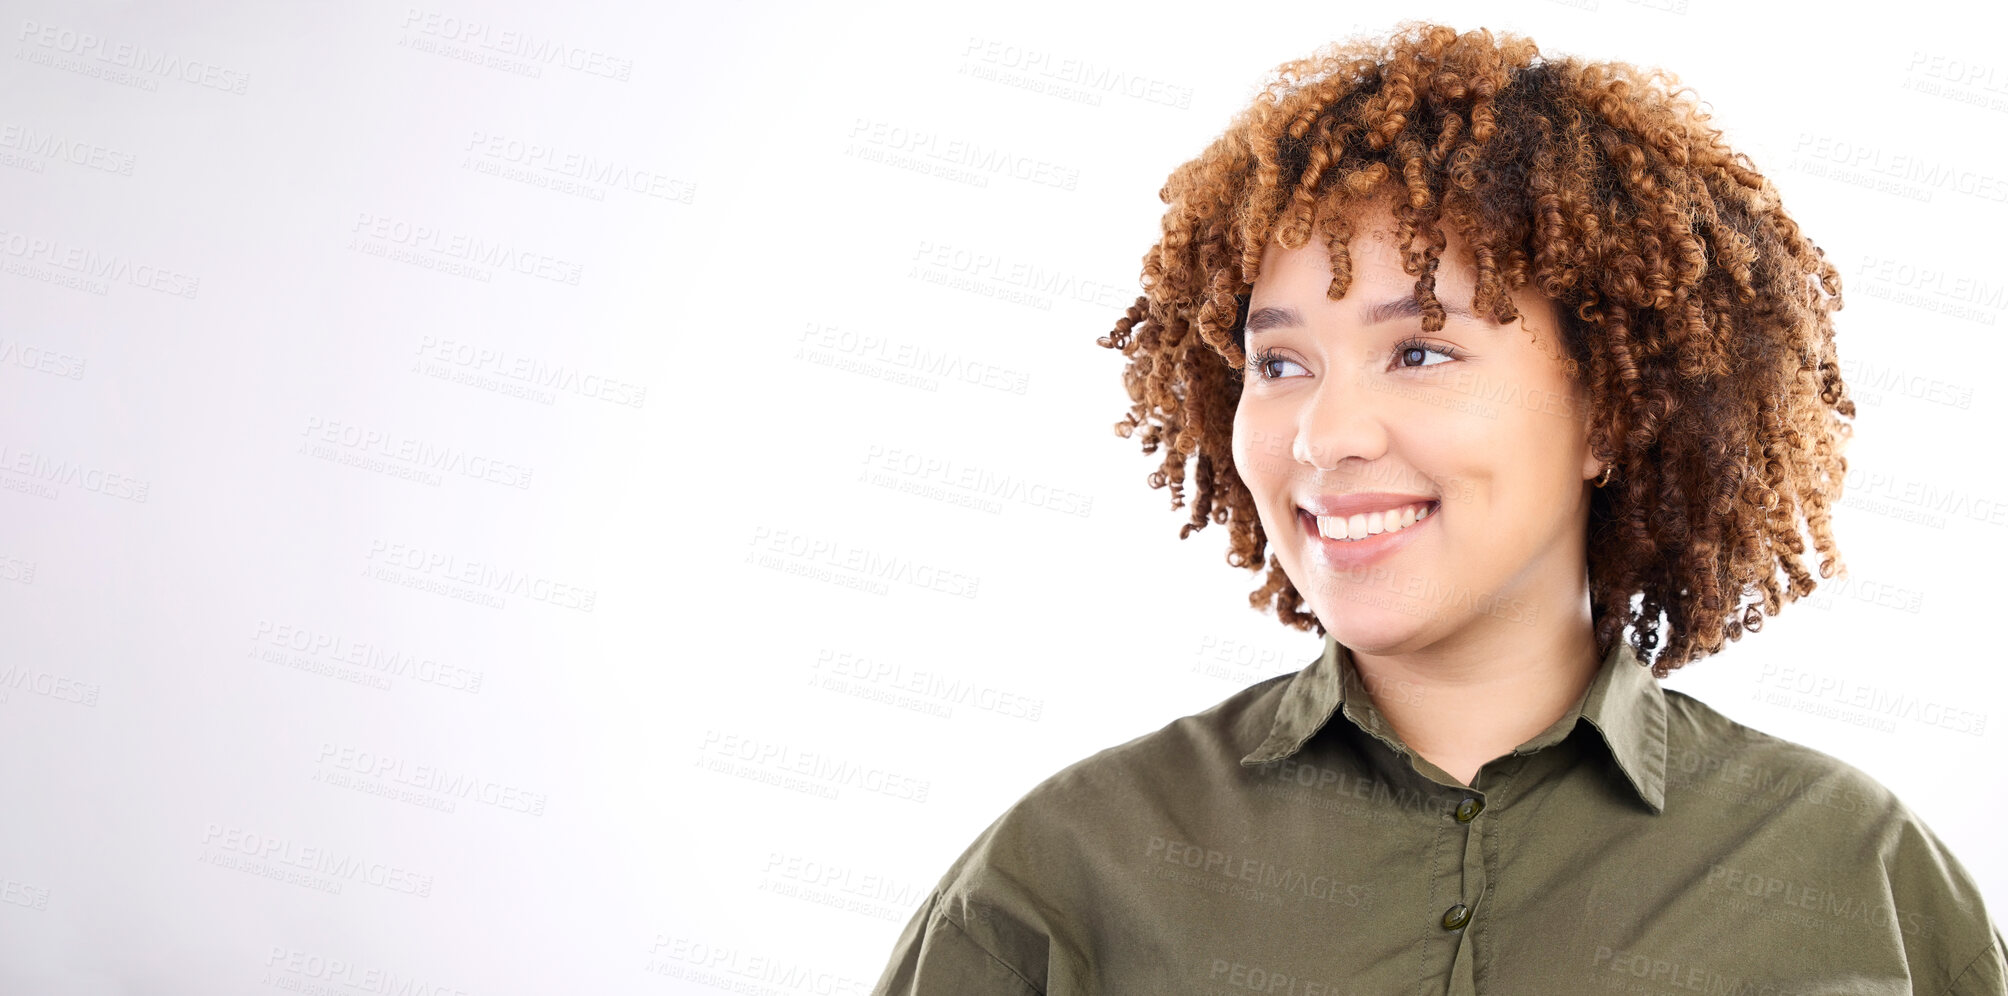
{"points": [[1363, 527]]}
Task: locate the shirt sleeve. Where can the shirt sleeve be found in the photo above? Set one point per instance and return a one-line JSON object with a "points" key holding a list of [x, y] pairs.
{"points": [[936, 957], [1987, 974]]}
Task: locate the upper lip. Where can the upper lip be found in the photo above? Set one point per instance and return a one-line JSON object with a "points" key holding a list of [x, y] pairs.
{"points": [[1360, 503]]}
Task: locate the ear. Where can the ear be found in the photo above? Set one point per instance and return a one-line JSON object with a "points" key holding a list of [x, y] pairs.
{"points": [[1592, 466]]}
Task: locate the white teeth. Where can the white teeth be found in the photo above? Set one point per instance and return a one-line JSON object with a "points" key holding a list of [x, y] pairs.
{"points": [[1365, 524]]}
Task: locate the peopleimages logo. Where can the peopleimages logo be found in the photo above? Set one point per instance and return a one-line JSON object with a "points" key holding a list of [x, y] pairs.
{"points": [[439, 781], [432, 563], [52, 39], [455, 252], [39, 467], [96, 267], [517, 44], [249, 849], [419, 454], [46, 145]]}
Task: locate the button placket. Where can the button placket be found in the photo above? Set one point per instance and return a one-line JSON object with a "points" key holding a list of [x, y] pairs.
{"points": [[1457, 918], [1466, 811]]}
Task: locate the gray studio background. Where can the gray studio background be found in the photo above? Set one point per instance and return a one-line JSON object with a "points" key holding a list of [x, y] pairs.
{"points": [[501, 498]]}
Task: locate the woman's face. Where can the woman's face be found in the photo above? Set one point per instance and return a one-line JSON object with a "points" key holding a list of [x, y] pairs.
{"points": [[1473, 435]]}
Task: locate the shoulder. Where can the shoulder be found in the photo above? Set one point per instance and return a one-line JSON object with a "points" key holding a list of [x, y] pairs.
{"points": [[1023, 889], [1178, 766], [1720, 758], [1853, 838], [1104, 799], [1162, 767]]}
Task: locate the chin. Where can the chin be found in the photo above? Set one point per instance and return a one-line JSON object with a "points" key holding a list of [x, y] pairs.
{"points": [[1374, 640], [1374, 624]]}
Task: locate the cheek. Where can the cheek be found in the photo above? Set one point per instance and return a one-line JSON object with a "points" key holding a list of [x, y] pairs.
{"points": [[1539, 443], [1513, 474], [1460, 463], [1261, 459], [1252, 459]]}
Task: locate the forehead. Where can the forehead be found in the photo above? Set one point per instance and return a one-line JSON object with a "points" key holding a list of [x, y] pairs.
{"points": [[1373, 247], [1304, 275], [1292, 286]]}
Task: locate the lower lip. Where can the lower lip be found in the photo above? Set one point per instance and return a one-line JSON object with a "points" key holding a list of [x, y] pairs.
{"points": [[1345, 555]]}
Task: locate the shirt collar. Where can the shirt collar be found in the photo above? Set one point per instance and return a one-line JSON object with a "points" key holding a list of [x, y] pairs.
{"points": [[1624, 703]]}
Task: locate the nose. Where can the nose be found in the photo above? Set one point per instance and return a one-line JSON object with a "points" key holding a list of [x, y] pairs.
{"points": [[1344, 417]]}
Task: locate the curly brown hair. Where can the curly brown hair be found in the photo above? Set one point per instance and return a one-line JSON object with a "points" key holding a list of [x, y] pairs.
{"points": [[1696, 306]]}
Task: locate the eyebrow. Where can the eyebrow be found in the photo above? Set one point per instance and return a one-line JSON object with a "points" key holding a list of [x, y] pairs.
{"points": [[1263, 319]]}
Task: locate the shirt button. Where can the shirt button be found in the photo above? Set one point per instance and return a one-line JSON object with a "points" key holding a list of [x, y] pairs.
{"points": [[1468, 809], [1455, 917]]}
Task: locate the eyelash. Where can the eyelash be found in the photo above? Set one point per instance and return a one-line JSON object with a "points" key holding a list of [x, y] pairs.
{"points": [[1265, 356]]}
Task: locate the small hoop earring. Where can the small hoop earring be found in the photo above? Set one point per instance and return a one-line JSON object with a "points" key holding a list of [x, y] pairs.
{"points": [[1605, 478]]}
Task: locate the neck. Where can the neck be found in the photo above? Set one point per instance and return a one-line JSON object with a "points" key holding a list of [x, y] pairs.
{"points": [[1463, 705]]}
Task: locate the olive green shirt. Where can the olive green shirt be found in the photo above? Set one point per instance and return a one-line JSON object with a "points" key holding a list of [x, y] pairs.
{"points": [[1261, 846]]}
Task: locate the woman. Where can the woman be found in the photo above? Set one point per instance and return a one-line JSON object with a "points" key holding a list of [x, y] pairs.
{"points": [[1501, 359]]}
